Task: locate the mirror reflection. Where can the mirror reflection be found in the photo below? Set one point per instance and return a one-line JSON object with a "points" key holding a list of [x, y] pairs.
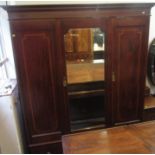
{"points": [[84, 50], [85, 57]]}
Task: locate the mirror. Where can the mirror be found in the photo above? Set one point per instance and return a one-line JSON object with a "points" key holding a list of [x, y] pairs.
{"points": [[84, 50], [85, 57]]}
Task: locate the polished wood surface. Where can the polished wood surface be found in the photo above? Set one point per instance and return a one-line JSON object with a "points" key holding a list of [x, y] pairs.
{"points": [[85, 11], [38, 84], [129, 139], [145, 131], [39, 50], [129, 53]]}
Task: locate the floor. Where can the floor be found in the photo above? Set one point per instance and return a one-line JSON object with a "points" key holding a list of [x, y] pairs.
{"points": [[135, 138]]}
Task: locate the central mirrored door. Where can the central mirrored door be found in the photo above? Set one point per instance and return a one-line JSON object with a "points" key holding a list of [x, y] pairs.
{"points": [[85, 67]]}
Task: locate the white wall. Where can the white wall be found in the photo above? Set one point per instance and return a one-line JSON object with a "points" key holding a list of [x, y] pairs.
{"points": [[152, 25], [10, 137], [2, 2], [6, 41], [29, 2]]}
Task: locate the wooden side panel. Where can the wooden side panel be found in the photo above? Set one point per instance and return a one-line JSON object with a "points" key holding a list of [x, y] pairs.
{"points": [[37, 74], [129, 68], [39, 81]]}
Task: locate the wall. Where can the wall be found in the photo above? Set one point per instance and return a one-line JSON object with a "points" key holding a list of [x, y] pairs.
{"points": [[2, 2], [10, 139], [6, 41], [152, 25], [29, 2]]}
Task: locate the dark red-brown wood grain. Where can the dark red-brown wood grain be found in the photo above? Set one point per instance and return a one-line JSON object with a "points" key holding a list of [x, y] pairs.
{"points": [[39, 53]]}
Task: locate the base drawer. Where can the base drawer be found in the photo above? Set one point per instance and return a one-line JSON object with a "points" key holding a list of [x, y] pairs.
{"points": [[46, 148]]}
